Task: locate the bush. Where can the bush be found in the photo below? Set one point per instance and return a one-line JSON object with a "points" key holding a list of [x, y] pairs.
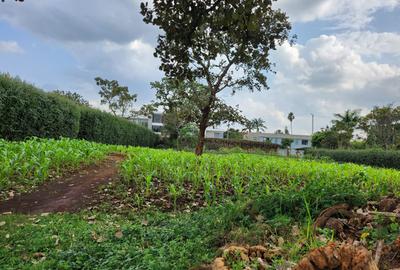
{"points": [[103, 127], [27, 111], [216, 144], [371, 157]]}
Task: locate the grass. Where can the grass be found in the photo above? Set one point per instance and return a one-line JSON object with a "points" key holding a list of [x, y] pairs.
{"points": [[26, 164], [240, 198]]}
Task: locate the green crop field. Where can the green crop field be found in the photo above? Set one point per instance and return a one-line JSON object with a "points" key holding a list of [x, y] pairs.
{"points": [[173, 210], [29, 163]]}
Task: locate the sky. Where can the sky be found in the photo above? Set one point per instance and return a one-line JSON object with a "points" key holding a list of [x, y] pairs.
{"points": [[346, 56]]}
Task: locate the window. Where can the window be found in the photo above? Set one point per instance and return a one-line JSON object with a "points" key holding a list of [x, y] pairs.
{"points": [[304, 142], [157, 128], [157, 118]]}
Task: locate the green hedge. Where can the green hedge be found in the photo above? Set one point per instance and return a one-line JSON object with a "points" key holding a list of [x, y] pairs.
{"points": [[371, 157], [27, 111], [103, 127], [216, 144]]}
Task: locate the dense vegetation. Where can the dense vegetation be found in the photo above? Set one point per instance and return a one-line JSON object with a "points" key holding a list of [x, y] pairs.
{"points": [[371, 157], [216, 144], [256, 176], [27, 111], [249, 199], [103, 127], [29, 163]]}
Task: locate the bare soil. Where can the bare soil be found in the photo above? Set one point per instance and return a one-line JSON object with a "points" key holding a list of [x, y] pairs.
{"points": [[71, 193]]}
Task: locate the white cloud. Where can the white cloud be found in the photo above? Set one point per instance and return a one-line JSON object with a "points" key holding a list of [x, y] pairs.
{"points": [[130, 61], [326, 75], [89, 20], [372, 43], [10, 47], [353, 14]]}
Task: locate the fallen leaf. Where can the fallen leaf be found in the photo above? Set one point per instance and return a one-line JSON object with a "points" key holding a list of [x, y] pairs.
{"points": [[2, 223], [7, 235], [145, 222], [44, 214], [7, 213], [119, 234]]}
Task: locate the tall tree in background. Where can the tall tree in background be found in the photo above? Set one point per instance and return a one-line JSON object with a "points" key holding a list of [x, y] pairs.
{"points": [[117, 97], [259, 124], [291, 118], [344, 125], [210, 39], [382, 126], [75, 97]]}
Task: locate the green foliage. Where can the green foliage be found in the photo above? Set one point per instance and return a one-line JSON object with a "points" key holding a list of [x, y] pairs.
{"points": [[286, 143], [117, 97], [216, 144], [29, 163], [284, 183], [371, 157], [75, 97], [153, 241], [26, 111], [382, 126], [326, 138], [233, 134], [227, 44], [103, 127]]}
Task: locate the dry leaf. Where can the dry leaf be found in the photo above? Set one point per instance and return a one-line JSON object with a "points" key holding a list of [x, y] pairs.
{"points": [[2, 223], [119, 234]]}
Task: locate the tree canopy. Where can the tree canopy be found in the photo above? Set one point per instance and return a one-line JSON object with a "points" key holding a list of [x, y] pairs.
{"points": [[224, 43], [117, 97]]}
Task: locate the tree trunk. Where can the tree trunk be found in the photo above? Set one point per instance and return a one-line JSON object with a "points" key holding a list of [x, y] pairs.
{"points": [[202, 131]]}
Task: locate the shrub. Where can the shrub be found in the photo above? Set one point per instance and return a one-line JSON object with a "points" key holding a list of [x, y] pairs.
{"points": [[103, 127], [371, 157], [27, 111], [216, 144]]}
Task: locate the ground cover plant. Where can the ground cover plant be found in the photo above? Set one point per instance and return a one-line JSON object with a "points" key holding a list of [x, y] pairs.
{"points": [[287, 182], [29, 163], [174, 210]]}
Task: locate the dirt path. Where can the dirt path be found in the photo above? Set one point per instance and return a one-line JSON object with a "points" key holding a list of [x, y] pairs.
{"points": [[68, 194]]}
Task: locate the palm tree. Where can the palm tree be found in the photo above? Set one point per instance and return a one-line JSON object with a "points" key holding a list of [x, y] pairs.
{"points": [[348, 120], [258, 124], [248, 126], [291, 118], [345, 124]]}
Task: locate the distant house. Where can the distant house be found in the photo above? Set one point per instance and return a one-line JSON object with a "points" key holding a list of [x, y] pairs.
{"points": [[214, 134], [153, 122], [300, 142]]}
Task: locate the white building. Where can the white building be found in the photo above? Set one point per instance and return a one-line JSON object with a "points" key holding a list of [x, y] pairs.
{"points": [[214, 134], [154, 122], [299, 141]]}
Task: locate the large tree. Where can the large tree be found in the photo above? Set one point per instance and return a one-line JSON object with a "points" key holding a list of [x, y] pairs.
{"points": [[382, 126], [117, 97], [259, 124], [225, 43], [183, 101], [344, 126]]}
